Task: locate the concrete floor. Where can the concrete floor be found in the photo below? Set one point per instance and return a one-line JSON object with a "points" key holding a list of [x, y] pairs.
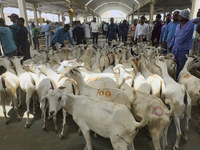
{"points": [[15, 136]]}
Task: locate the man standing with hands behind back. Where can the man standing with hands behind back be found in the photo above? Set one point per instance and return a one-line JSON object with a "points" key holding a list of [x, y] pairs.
{"points": [[112, 31], [95, 29]]}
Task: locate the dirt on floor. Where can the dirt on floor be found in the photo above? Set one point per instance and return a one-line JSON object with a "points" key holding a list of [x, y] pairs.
{"points": [[195, 119]]}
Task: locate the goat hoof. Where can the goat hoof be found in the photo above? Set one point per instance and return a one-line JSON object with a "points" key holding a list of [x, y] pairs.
{"points": [[57, 130], [96, 136], [27, 125], [11, 104], [19, 118], [44, 128], [174, 148], [6, 122], [61, 136], [185, 138], [34, 112]]}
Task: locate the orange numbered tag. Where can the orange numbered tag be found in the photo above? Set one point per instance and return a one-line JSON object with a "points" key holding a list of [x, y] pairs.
{"points": [[101, 93]]}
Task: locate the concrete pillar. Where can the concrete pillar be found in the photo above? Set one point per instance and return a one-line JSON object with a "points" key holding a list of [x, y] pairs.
{"points": [[58, 17], [85, 17], [138, 14], [70, 17], [164, 11], [40, 16], [195, 8], [152, 4], [2, 13], [23, 13], [62, 16], [35, 13]]}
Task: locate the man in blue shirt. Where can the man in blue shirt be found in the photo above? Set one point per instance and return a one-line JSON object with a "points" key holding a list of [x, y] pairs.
{"points": [[123, 28], [182, 39], [14, 27], [169, 32], [47, 29], [6, 39], [22, 40], [61, 35], [112, 31], [168, 20]]}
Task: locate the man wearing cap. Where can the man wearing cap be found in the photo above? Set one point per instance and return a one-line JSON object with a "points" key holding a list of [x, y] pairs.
{"points": [[6, 39], [156, 31], [182, 39], [14, 27], [168, 20], [171, 27]]}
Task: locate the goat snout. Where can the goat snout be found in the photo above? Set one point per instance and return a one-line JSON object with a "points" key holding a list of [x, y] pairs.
{"points": [[51, 113]]}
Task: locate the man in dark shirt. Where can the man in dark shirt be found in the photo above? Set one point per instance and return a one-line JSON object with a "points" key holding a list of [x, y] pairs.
{"points": [[123, 28], [156, 31], [22, 40], [112, 31], [78, 33]]}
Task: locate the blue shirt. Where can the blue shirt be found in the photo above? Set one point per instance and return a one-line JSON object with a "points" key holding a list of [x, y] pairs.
{"points": [[14, 32], [123, 29], [47, 29], [183, 37], [7, 41], [61, 35], [112, 31], [162, 32], [169, 32]]}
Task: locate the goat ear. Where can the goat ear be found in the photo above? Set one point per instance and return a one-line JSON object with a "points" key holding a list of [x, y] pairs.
{"points": [[71, 71], [61, 87]]}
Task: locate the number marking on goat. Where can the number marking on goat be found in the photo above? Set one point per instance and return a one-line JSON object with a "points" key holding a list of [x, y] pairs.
{"points": [[101, 93], [153, 76], [158, 111], [92, 79], [187, 76]]}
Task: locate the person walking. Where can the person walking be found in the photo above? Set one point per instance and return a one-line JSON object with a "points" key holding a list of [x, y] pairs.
{"points": [[47, 29], [132, 29], [105, 27], [35, 32], [171, 27], [123, 28], [7, 41], [14, 27], [78, 33], [112, 31], [22, 40], [182, 39], [156, 31], [87, 30], [95, 29], [142, 31], [168, 20], [61, 35]]}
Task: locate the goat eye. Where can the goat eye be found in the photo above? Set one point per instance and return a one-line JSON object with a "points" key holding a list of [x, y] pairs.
{"points": [[59, 99]]}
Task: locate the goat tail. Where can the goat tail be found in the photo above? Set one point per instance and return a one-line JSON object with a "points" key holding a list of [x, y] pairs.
{"points": [[170, 103], [144, 120], [3, 83]]}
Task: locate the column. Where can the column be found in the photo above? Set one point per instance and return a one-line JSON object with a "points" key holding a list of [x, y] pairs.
{"points": [[2, 13], [138, 14], [128, 18], [194, 9], [62, 16], [58, 17], [35, 13], [164, 11], [85, 18], [70, 17], [40, 16], [23, 13], [152, 4]]}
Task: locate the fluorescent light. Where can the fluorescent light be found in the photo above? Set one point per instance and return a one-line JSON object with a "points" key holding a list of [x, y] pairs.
{"points": [[88, 2], [113, 2]]}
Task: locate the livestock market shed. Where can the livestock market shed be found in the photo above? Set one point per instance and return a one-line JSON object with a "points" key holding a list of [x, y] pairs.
{"points": [[150, 121]]}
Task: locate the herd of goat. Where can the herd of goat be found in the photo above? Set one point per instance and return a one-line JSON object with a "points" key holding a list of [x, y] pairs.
{"points": [[113, 90]]}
